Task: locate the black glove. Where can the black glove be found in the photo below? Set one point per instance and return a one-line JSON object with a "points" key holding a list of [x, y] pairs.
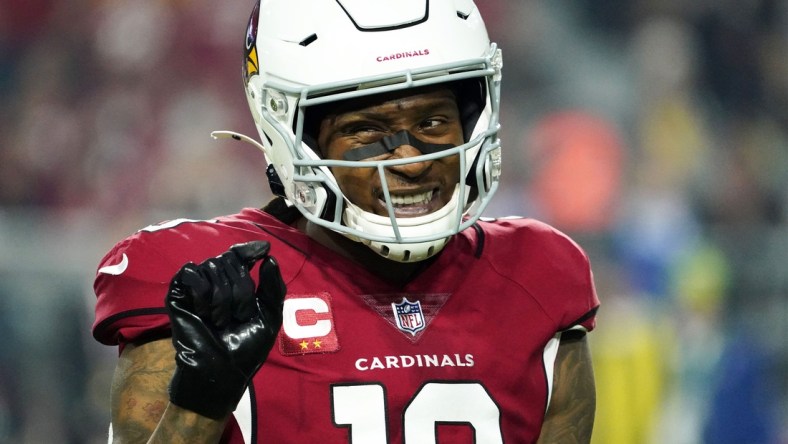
{"points": [[222, 327]]}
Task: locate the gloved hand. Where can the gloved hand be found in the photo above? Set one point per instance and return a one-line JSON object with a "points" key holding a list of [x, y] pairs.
{"points": [[222, 327]]}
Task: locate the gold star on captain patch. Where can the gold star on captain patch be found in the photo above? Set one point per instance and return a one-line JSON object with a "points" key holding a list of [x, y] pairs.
{"points": [[304, 345], [318, 343]]}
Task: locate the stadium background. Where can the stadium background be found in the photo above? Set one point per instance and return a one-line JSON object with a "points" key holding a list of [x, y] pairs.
{"points": [[653, 131]]}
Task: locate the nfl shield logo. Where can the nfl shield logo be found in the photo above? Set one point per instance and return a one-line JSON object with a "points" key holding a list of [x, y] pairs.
{"points": [[408, 316]]}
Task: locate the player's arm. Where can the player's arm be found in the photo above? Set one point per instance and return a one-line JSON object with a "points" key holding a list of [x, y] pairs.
{"points": [[184, 389], [570, 416], [140, 403]]}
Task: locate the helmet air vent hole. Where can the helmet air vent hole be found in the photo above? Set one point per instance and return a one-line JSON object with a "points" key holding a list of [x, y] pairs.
{"points": [[430, 251], [384, 251], [307, 41], [407, 256], [462, 15]]}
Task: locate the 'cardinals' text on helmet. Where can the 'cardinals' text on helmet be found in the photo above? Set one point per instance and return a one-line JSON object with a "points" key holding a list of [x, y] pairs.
{"points": [[305, 53]]}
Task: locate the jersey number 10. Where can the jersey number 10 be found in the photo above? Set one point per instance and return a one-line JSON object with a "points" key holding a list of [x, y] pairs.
{"points": [[362, 408]]}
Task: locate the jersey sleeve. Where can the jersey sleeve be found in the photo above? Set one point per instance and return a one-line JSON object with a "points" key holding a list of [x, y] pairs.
{"points": [[133, 278], [131, 283], [554, 270]]}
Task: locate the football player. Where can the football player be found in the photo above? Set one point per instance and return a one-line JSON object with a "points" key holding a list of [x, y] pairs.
{"points": [[368, 302]]}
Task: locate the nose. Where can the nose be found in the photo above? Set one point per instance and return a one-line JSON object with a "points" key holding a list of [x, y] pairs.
{"points": [[412, 170]]}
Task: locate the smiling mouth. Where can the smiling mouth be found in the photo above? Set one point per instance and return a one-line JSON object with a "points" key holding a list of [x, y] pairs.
{"points": [[414, 204]]}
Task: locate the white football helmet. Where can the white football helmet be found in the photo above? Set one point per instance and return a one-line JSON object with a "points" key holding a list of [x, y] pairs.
{"points": [[302, 53]]}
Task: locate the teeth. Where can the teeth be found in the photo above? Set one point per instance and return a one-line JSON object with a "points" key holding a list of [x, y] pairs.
{"points": [[411, 199]]}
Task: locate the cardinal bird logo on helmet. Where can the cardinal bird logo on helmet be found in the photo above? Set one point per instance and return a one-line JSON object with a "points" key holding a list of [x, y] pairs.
{"points": [[250, 49]]}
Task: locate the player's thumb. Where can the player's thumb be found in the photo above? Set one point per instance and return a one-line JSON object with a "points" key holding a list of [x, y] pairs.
{"points": [[271, 290]]}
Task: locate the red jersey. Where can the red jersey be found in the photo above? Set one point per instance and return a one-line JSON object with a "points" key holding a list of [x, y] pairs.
{"points": [[463, 353]]}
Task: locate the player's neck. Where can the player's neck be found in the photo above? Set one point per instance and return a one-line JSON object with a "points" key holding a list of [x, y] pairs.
{"points": [[396, 272]]}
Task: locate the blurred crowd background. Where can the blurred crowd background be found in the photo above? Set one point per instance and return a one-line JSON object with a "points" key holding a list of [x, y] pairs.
{"points": [[655, 132]]}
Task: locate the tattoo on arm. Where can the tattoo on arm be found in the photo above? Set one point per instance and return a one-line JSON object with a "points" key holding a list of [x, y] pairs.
{"points": [[570, 417], [139, 390], [141, 411], [185, 427]]}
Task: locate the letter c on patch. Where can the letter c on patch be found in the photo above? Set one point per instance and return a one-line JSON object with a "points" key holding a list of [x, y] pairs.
{"points": [[296, 330]]}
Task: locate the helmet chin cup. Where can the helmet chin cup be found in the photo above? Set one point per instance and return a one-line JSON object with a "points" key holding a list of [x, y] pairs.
{"points": [[405, 230], [406, 45], [406, 253]]}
